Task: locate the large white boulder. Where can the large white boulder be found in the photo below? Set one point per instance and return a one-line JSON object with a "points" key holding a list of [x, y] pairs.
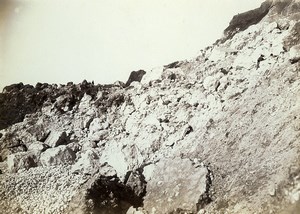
{"points": [[88, 163], [174, 184], [58, 155], [114, 156], [153, 74]]}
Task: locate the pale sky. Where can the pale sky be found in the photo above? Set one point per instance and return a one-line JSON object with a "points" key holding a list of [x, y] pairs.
{"points": [[58, 41]]}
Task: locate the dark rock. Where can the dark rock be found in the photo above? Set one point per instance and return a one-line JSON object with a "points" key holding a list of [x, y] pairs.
{"points": [[242, 21], [217, 85], [135, 76], [294, 37], [70, 83], [109, 195], [84, 83], [18, 100], [224, 71], [206, 198], [260, 59], [176, 64], [188, 130], [39, 86], [167, 102], [13, 87], [18, 146], [227, 134], [164, 120], [136, 181]]}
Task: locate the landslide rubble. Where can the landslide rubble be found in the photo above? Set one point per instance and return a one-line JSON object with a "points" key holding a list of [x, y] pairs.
{"points": [[215, 134]]}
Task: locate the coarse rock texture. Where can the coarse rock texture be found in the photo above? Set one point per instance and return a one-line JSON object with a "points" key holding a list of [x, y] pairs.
{"points": [[219, 133], [167, 193]]}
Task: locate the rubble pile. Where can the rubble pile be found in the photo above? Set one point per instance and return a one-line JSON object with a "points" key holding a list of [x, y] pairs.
{"points": [[215, 134]]}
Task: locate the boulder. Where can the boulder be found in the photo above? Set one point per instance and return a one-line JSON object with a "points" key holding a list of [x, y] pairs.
{"points": [[56, 138], [175, 64], [99, 135], [135, 76], [152, 75], [58, 155], [84, 104], [41, 135], [175, 184], [88, 163], [37, 146], [119, 83], [217, 54], [75, 146], [210, 82], [294, 54], [13, 87], [86, 145], [242, 21], [97, 124], [21, 160], [114, 156]]}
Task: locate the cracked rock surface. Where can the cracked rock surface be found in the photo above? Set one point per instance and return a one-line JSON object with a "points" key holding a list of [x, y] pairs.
{"points": [[215, 134]]}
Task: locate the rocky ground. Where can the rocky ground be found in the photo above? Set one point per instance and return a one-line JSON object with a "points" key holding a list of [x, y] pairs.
{"points": [[215, 134]]}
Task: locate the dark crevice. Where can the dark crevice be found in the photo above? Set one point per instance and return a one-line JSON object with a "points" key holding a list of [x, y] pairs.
{"points": [[206, 198], [43, 136], [108, 195], [295, 60], [188, 130]]}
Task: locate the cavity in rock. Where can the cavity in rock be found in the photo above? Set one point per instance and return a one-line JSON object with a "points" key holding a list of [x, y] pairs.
{"points": [[108, 195]]}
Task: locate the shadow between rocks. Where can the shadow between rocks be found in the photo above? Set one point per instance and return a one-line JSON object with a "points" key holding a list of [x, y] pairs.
{"points": [[108, 195]]}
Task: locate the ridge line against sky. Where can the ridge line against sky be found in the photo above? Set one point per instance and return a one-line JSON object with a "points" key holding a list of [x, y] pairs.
{"points": [[58, 41]]}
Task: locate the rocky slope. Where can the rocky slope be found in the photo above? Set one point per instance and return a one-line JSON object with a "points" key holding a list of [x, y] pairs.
{"points": [[215, 134]]}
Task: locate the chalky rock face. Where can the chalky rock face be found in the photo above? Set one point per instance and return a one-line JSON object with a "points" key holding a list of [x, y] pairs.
{"points": [[215, 134], [167, 193]]}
